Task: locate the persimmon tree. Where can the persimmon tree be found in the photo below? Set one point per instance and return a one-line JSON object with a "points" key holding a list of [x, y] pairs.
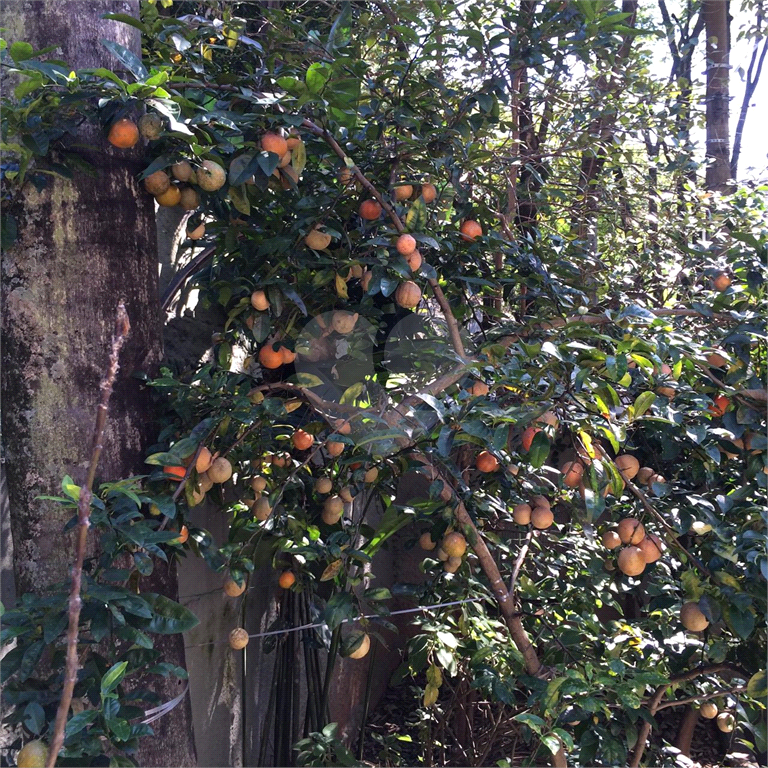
{"points": [[427, 226]]}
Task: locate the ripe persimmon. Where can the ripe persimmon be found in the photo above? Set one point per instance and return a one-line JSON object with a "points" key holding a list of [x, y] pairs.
{"points": [[370, 210], [528, 436], [269, 357], [486, 462], [405, 244], [470, 230], [428, 192], [123, 134], [302, 440], [273, 142]]}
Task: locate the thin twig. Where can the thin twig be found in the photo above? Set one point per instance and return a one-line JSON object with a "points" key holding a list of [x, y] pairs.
{"points": [[122, 329], [700, 697]]}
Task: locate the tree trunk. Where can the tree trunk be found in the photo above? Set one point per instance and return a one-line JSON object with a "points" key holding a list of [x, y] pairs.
{"points": [[686, 729], [83, 245], [718, 43], [601, 130]]}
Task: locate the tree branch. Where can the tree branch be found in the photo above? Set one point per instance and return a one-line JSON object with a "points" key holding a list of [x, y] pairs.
{"points": [[653, 705], [122, 329]]}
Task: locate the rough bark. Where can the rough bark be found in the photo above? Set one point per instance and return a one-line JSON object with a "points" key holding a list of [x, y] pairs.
{"points": [[715, 14], [83, 245]]}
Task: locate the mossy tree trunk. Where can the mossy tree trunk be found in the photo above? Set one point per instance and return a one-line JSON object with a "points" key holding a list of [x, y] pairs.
{"points": [[82, 246]]}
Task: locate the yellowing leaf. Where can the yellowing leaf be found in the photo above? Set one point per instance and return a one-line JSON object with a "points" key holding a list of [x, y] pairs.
{"points": [[341, 287], [292, 404], [587, 440], [430, 695], [332, 571], [299, 157]]}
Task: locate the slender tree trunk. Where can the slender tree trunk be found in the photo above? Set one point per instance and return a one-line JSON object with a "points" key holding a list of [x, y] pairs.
{"points": [[83, 245], [601, 132], [686, 729], [718, 145]]}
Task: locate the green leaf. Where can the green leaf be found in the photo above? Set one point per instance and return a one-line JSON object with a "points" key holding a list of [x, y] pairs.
{"points": [[643, 403], [113, 677], [338, 609], [239, 198], [20, 51], [539, 450], [757, 687], [308, 380], [417, 215], [170, 617], [34, 717], [126, 19], [534, 722], [129, 58], [317, 76], [163, 460], [77, 722], [351, 394]]}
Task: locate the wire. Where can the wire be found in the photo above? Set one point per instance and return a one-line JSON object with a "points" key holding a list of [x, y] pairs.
{"points": [[345, 621]]}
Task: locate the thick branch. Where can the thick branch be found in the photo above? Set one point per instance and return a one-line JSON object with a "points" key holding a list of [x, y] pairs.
{"points": [[653, 705], [122, 329]]}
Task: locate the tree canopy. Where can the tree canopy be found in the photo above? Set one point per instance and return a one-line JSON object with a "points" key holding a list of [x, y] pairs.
{"points": [[467, 242]]}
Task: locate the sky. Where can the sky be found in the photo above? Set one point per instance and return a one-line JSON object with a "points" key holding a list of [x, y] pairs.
{"points": [[754, 150]]}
